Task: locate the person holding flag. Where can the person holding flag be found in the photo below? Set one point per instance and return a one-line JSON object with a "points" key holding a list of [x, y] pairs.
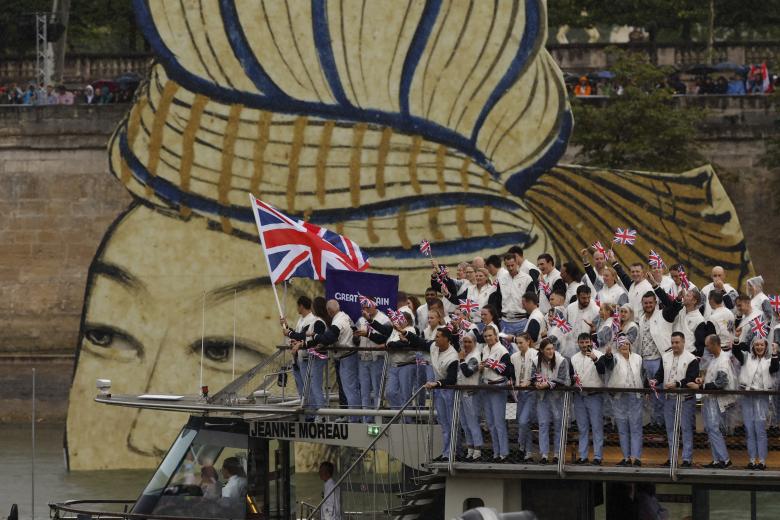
{"points": [[444, 360], [480, 292], [549, 280], [371, 363], [680, 279], [549, 370], [599, 261], [536, 325], [759, 302], [588, 367], [512, 285], [401, 346], [580, 315], [339, 334], [468, 374], [759, 367], [522, 367], [625, 371], [496, 367], [606, 285], [636, 284], [302, 357], [718, 277], [688, 318]]}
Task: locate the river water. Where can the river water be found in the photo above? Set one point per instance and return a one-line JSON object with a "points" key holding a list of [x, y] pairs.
{"points": [[52, 482]]}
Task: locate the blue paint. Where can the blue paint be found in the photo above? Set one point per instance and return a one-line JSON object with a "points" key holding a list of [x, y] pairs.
{"points": [[243, 51], [531, 33], [177, 198], [521, 181], [416, 49], [403, 122], [324, 46]]}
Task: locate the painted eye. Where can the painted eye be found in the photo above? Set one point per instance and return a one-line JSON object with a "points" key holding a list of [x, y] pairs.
{"points": [[217, 351], [110, 339]]}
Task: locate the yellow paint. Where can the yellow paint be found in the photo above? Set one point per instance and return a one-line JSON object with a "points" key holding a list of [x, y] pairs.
{"points": [[322, 158], [258, 152]]}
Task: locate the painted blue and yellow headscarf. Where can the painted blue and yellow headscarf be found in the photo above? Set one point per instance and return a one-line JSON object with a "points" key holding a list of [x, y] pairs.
{"points": [[392, 122]]}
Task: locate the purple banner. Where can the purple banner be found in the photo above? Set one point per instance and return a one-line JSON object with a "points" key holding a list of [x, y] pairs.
{"points": [[344, 287]]}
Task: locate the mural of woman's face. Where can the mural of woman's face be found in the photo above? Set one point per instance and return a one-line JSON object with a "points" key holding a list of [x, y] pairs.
{"points": [[142, 329]]}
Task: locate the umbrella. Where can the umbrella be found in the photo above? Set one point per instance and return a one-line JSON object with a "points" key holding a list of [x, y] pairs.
{"points": [[727, 65], [602, 74], [700, 69]]}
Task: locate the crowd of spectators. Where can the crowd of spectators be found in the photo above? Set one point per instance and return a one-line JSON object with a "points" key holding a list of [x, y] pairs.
{"points": [[699, 80], [100, 93]]}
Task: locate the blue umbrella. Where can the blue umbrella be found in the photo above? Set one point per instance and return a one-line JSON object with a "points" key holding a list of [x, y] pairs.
{"points": [[602, 74], [727, 65]]}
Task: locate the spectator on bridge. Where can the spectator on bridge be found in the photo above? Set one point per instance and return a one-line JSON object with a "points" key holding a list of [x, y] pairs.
{"points": [[28, 98], [583, 87], [64, 96], [89, 95]]}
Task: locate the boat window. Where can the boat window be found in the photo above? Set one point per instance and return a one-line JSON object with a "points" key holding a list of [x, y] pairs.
{"points": [[170, 463], [207, 480]]}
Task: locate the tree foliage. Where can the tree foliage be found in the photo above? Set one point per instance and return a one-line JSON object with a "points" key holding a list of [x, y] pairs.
{"points": [[641, 129]]}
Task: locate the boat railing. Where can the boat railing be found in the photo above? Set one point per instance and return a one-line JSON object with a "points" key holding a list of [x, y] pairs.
{"points": [[92, 510], [399, 417], [661, 456]]}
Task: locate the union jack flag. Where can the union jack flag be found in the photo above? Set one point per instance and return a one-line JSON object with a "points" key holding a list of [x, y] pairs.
{"points": [[562, 324], [625, 236], [465, 324], [496, 365], [684, 282], [598, 248], [425, 248], [578, 382], [545, 287], [615, 322], [597, 300], [655, 260], [314, 352], [366, 302], [468, 306], [774, 301], [397, 317], [541, 378], [758, 326], [294, 248]]}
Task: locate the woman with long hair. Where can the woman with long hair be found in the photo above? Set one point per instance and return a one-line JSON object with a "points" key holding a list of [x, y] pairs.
{"points": [[495, 367], [522, 365], [626, 372], [758, 369], [468, 374], [550, 370]]}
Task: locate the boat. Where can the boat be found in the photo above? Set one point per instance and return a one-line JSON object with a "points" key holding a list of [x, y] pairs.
{"points": [[387, 466]]}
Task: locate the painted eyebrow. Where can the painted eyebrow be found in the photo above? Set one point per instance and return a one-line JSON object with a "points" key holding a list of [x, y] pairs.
{"points": [[225, 293], [119, 275]]}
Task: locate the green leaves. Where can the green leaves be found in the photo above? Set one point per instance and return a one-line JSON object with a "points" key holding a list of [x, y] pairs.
{"points": [[642, 129]]}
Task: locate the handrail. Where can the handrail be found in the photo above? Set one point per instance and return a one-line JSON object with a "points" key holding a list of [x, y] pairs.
{"points": [[368, 448], [234, 386], [609, 389], [67, 507]]}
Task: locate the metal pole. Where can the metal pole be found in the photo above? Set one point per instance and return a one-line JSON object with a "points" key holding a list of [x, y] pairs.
{"points": [[32, 494], [202, 340], [454, 429], [564, 432], [674, 441]]}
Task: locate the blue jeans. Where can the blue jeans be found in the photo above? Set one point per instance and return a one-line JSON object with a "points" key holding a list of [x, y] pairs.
{"points": [[423, 374], [513, 327], [316, 397], [350, 382], [400, 381], [651, 366], [754, 414], [370, 377], [469, 420], [495, 410], [588, 410], [628, 415], [713, 418], [443, 401], [526, 412], [549, 409], [687, 422]]}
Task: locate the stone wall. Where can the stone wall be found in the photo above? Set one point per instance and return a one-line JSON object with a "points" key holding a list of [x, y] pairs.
{"points": [[57, 199]]}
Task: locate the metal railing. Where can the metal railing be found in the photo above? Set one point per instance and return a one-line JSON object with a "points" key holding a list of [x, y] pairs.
{"points": [[385, 428], [653, 440]]}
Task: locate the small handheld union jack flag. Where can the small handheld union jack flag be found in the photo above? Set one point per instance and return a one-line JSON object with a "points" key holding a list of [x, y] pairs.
{"points": [[397, 317], [366, 302], [545, 287], [314, 352], [562, 324], [541, 378], [598, 248], [758, 327], [597, 301], [468, 306], [578, 382], [684, 282], [774, 301], [495, 364], [425, 248], [625, 236], [615, 322], [655, 260]]}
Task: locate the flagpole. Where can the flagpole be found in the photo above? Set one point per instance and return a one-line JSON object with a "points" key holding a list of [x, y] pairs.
{"points": [[265, 254]]}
